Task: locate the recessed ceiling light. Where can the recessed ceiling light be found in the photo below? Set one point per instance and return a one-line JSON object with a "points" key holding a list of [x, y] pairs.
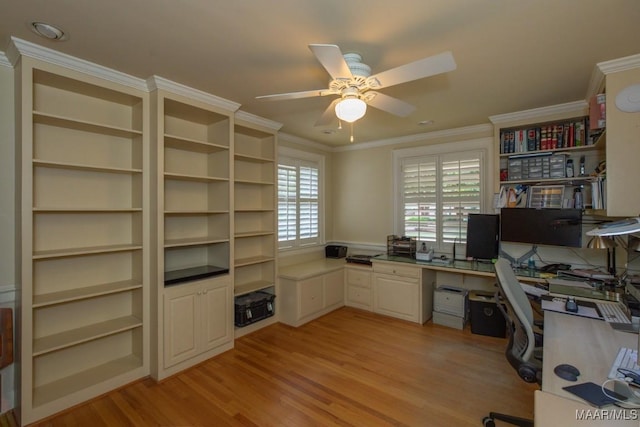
{"points": [[47, 31], [426, 122]]}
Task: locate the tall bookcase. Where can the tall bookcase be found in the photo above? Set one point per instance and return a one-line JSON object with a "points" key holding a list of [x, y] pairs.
{"points": [[194, 297], [84, 236], [255, 210]]}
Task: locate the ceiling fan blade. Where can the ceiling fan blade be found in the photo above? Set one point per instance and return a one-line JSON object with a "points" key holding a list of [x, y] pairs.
{"points": [[296, 95], [419, 69], [332, 60], [389, 104], [329, 115]]}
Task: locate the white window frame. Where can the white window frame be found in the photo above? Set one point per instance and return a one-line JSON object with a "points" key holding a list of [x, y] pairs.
{"points": [[290, 156], [484, 148]]}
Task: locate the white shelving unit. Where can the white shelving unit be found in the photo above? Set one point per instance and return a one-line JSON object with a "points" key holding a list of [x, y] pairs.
{"points": [[255, 210], [193, 302], [84, 236]]}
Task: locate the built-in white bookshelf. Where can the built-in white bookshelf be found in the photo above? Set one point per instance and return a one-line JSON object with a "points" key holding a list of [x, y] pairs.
{"points": [[194, 298], [255, 209], [84, 248]]}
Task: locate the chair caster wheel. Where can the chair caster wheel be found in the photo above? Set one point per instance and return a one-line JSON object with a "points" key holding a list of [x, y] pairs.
{"points": [[488, 422]]}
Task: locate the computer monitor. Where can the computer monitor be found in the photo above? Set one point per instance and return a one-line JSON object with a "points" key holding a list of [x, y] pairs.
{"points": [[483, 241], [555, 227]]}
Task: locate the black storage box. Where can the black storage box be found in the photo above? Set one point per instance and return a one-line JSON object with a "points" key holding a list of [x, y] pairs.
{"points": [[252, 307], [485, 316]]}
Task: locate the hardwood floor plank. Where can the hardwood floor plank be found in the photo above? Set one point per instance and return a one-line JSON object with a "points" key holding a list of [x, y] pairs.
{"points": [[348, 368]]}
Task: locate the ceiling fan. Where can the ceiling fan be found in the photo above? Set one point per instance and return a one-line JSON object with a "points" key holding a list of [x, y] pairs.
{"points": [[356, 87]]}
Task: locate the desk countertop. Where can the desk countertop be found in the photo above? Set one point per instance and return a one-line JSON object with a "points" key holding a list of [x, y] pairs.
{"points": [[465, 267], [591, 346], [311, 268]]}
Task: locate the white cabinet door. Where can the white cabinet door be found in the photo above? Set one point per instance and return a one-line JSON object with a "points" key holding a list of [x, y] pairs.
{"points": [[182, 316], [216, 315], [397, 296], [197, 319], [310, 294], [334, 289]]}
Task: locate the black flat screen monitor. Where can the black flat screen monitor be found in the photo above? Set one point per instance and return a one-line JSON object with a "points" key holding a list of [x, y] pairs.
{"points": [[555, 227], [482, 236]]}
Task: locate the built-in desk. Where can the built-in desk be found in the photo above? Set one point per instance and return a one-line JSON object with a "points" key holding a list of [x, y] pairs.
{"points": [[591, 346]]}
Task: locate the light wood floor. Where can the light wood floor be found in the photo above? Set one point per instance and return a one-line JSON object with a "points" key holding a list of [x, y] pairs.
{"points": [[349, 368]]}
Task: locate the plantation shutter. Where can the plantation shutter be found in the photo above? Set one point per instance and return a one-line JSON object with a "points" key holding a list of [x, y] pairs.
{"points": [[438, 192], [308, 204], [287, 209], [298, 203]]}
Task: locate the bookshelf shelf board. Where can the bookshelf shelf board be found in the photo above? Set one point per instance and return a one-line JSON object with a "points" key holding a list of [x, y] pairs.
{"points": [[197, 178], [85, 167], [86, 333], [62, 253], [252, 182], [194, 273], [54, 298], [85, 210], [565, 181], [250, 210], [83, 125], [245, 288], [188, 144], [58, 389], [243, 262], [195, 212], [251, 158], [175, 243], [242, 234]]}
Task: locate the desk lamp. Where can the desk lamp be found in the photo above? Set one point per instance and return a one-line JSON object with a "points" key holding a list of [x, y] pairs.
{"points": [[603, 242], [613, 229]]}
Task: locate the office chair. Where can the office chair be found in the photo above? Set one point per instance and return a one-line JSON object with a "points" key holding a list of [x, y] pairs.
{"points": [[520, 352]]}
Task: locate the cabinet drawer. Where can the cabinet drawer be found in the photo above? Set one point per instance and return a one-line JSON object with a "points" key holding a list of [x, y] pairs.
{"points": [[396, 269], [357, 277]]}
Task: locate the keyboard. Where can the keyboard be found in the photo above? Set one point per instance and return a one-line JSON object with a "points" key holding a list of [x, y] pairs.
{"points": [[613, 313], [627, 359]]}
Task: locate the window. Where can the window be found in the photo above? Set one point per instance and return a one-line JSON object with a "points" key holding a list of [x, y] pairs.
{"points": [[435, 191], [299, 199]]}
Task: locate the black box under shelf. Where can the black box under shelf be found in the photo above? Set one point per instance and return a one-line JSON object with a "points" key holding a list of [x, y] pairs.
{"points": [[194, 273], [253, 307]]}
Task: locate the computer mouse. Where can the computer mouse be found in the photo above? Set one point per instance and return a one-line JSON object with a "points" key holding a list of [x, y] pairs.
{"points": [[571, 305], [567, 372]]}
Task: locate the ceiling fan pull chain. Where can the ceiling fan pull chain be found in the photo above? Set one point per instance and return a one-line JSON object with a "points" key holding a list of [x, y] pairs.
{"points": [[351, 132]]}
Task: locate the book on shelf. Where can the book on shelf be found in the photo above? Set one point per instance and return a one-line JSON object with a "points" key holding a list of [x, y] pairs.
{"points": [[553, 136]]}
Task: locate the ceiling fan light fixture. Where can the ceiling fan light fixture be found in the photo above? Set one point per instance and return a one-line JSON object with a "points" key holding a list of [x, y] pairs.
{"points": [[350, 109]]}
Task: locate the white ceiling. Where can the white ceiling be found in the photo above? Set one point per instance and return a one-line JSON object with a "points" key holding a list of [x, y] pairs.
{"points": [[511, 55]]}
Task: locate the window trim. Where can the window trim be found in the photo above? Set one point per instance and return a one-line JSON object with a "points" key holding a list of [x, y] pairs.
{"points": [[305, 156], [483, 145]]}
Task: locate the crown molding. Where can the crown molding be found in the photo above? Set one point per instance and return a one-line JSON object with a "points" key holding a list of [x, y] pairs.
{"points": [[536, 113], [421, 137], [620, 64], [252, 118], [602, 69], [51, 56], [157, 82], [4, 61]]}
